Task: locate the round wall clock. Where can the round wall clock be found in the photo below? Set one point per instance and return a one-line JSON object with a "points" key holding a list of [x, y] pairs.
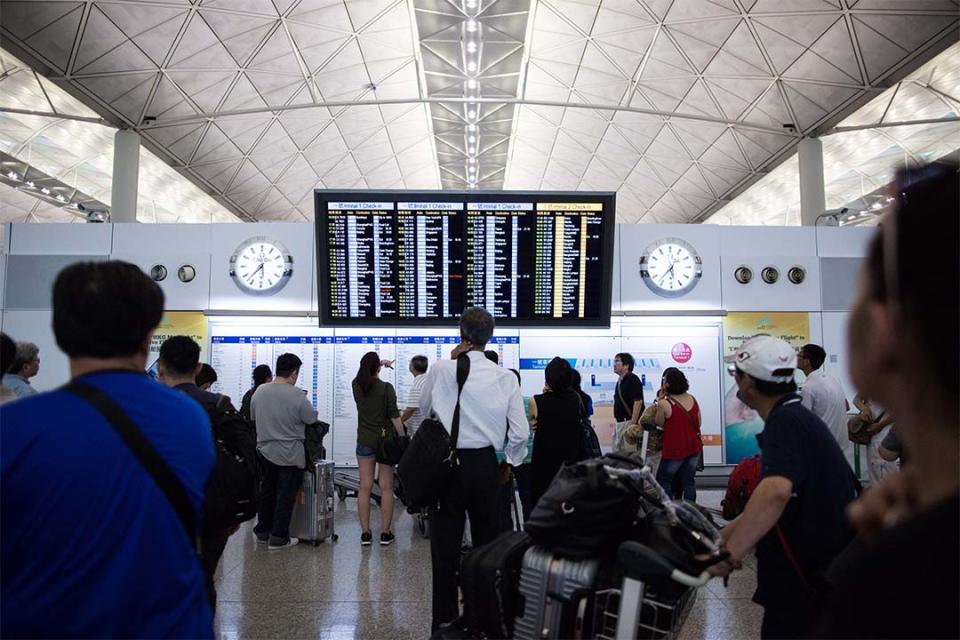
{"points": [[743, 274], [261, 266], [797, 275], [671, 267], [770, 274]]}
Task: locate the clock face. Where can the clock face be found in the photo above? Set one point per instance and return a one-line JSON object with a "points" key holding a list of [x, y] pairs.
{"points": [[261, 266], [671, 267]]}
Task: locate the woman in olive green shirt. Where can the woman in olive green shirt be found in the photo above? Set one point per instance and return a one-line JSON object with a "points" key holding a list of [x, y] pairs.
{"points": [[376, 413]]}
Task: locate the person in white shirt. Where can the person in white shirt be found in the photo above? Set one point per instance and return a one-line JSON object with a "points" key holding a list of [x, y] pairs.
{"points": [[491, 411], [823, 394], [412, 416]]}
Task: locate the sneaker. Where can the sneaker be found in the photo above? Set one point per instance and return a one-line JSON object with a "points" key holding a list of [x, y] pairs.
{"points": [[366, 539], [291, 542], [261, 538], [386, 538]]}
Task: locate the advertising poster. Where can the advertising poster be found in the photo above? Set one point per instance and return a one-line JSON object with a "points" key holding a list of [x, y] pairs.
{"points": [[695, 353], [178, 323], [741, 423], [592, 357]]}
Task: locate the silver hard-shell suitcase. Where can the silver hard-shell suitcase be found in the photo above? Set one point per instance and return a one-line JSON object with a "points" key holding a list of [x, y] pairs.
{"points": [[556, 596], [313, 511]]}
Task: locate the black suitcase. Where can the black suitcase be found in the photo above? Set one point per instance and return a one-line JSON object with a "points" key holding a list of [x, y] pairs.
{"points": [[490, 579]]}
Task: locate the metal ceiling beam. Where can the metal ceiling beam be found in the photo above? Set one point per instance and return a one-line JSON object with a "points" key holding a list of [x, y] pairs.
{"points": [[58, 116], [201, 117], [888, 125]]}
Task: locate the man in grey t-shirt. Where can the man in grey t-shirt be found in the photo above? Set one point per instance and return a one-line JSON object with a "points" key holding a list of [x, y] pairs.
{"points": [[280, 410]]}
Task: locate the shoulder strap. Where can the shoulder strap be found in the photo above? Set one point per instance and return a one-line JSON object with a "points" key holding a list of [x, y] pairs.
{"points": [[623, 402], [690, 419], [463, 370], [145, 453], [222, 401], [792, 558]]}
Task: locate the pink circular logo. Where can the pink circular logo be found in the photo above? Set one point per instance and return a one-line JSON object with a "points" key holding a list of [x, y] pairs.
{"points": [[681, 352]]}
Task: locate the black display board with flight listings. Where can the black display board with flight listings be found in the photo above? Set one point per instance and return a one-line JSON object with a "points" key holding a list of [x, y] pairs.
{"points": [[418, 258]]}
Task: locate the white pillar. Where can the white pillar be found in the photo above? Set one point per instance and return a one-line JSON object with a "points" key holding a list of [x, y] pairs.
{"points": [[126, 171], [813, 201]]}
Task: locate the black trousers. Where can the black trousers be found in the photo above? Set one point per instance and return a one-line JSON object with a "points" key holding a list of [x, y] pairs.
{"points": [[278, 491], [212, 543], [472, 490], [786, 622]]}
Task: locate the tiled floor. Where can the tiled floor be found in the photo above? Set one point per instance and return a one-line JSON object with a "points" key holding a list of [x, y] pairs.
{"points": [[341, 590]]}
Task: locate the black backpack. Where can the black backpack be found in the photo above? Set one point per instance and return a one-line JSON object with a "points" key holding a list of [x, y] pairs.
{"points": [[585, 511], [231, 496]]}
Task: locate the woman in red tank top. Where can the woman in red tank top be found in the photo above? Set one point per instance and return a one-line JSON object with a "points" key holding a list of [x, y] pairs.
{"points": [[679, 415]]}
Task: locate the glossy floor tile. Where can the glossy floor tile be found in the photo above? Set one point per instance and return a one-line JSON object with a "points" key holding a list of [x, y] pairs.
{"points": [[344, 591]]}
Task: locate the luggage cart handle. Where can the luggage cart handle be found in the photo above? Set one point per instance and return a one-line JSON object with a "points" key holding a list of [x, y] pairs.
{"points": [[642, 563]]}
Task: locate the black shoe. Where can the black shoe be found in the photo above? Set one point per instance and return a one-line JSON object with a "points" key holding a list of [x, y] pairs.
{"points": [[366, 539], [386, 538]]}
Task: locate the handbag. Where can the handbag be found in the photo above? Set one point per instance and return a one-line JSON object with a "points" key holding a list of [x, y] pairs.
{"points": [[391, 445], [589, 442], [857, 428], [693, 424], [431, 456], [648, 424]]}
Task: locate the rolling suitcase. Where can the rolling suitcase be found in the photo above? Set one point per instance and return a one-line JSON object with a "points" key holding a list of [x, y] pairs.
{"points": [[313, 512], [489, 577], [556, 596]]}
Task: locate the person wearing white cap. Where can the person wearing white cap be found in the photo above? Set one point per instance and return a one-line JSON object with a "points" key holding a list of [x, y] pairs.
{"points": [[795, 518]]}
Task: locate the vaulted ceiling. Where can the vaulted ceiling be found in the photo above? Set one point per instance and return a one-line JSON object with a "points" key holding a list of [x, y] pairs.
{"points": [[676, 104]]}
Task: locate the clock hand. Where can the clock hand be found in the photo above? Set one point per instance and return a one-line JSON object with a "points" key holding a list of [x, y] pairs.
{"points": [[254, 274]]}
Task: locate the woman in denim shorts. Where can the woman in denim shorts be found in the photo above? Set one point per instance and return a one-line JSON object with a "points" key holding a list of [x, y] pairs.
{"points": [[377, 412]]}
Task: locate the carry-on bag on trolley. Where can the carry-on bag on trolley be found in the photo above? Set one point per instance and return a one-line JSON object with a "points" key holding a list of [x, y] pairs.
{"points": [[313, 511]]}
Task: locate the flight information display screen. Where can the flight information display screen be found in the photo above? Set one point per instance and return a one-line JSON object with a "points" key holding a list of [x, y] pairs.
{"points": [[398, 258]]}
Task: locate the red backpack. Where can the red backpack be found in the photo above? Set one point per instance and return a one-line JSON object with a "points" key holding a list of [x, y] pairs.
{"points": [[743, 480]]}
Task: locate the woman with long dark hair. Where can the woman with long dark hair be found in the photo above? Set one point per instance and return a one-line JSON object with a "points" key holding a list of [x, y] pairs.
{"points": [[261, 375], [679, 415], [556, 416], [377, 413]]}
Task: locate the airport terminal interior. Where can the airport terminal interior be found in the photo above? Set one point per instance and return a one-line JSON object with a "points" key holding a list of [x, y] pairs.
{"points": [[633, 190]]}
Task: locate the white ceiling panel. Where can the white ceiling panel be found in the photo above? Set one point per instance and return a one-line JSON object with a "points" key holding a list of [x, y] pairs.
{"points": [[676, 104]]}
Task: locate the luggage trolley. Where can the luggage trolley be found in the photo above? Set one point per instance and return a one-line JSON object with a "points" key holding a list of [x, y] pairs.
{"points": [[655, 597], [348, 485]]}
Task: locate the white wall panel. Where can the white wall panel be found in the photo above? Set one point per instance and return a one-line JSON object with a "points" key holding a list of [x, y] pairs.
{"points": [[782, 295], [636, 296], [768, 241], [294, 297], [168, 238], [844, 242], [835, 344], [60, 239], [178, 295]]}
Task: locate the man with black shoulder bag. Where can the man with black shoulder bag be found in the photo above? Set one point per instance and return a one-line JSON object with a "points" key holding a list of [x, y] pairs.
{"points": [[479, 405]]}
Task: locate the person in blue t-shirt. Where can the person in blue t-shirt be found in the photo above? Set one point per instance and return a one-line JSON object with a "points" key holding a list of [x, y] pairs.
{"points": [[90, 546]]}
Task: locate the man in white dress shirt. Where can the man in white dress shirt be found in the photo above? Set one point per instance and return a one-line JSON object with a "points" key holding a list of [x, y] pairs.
{"points": [[823, 394], [491, 411]]}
